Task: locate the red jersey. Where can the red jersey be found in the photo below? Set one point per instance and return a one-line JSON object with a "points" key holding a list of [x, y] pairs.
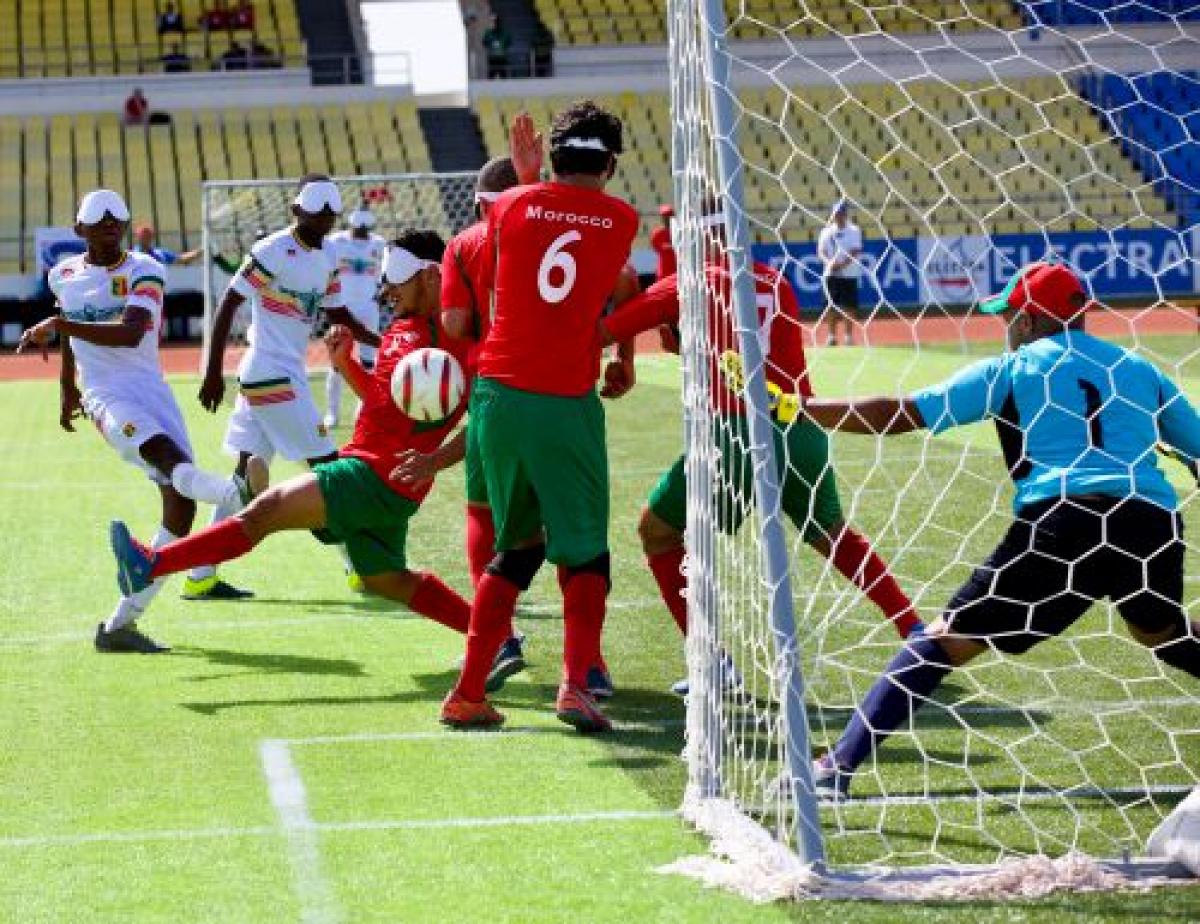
{"points": [[786, 366], [557, 251], [382, 430], [466, 282], [660, 243]]}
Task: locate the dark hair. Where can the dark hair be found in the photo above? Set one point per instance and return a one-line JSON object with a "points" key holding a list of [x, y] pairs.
{"points": [[427, 245], [497, 175], [312, 178], [584, 119]]}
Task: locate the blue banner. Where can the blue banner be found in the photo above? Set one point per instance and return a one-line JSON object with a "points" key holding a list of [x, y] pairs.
{"points": [[912, 273]]}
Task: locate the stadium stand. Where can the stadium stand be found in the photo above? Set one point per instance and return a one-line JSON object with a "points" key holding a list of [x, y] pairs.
{"points": [[161, 166], [1156, 116], [1106, 12], [620, 22], [68, 38], [900, 164]]}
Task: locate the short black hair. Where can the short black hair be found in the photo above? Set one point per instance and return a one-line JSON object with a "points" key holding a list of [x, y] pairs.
{"points": [[497, 175], [424, 244], [585, 119]]}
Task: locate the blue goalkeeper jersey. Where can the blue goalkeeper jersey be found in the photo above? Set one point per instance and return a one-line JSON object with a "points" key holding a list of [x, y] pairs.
{"points": [[1074, 415]]}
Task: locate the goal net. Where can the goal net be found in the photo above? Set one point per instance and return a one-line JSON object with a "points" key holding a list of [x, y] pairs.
{"points": [[236, 213], [967, 139]]}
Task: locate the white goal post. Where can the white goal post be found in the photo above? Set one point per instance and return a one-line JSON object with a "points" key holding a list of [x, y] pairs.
{"points": [[966, 148], [235, 212]]}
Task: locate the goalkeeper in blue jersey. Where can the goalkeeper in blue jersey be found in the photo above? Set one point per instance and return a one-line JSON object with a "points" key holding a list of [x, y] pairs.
{"points": [[1078, 421]]}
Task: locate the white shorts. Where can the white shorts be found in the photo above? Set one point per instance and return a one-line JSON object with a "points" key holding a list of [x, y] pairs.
{"points": [[277, 416], [367, 314], [126, 424]]}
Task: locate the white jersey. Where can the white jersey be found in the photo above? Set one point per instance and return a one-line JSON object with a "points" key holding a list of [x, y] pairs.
{"points": [[90, 293], [360, 266], [287, 283], [835, 243]]}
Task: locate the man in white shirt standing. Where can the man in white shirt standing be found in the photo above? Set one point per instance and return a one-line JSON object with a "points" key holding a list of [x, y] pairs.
{"points": [[359, 260], [110, 303], [288, 278], [839, 247]]}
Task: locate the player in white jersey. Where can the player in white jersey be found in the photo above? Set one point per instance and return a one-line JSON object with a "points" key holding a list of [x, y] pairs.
{"points": [[359, 261], [110, 303], [288, 278]]}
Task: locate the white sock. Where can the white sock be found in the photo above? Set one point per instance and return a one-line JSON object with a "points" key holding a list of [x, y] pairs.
{"points": [[203, 486], [349, 565], [333, 394], [222, 511], [130, 609]]}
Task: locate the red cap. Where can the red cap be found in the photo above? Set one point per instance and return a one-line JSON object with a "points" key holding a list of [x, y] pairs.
{"points": [[666, 210], [1049, 289]]}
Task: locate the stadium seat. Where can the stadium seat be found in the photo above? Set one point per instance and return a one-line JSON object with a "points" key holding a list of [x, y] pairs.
{"points": [[1038, 157]]}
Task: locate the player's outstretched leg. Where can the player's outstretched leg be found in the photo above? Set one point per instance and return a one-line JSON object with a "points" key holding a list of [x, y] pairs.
{"points": [[851, 553], [425, 594], [295, 504]]}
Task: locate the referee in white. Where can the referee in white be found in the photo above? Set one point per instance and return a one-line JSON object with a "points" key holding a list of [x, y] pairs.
{"points": [[839, 247]]}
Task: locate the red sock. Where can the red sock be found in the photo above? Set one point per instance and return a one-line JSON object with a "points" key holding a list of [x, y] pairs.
{"points": [[667, 568], [434, 600], [583, 623], [481, 540], [854, 557], [564, 577], [491, 615], [219, 542]]}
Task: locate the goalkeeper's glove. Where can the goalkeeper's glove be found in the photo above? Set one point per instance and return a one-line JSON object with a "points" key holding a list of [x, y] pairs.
{"points": [[784, 407]]}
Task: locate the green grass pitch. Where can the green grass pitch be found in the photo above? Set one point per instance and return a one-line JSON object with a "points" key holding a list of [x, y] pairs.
{"points": [[132, 789]]}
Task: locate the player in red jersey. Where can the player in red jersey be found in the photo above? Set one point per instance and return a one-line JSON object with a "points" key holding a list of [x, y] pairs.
{"points": [[350, 499], [809, 491], [557, 249]]}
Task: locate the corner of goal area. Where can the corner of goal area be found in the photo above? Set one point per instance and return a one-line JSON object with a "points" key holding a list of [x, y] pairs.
{"points": [[748, 860]]}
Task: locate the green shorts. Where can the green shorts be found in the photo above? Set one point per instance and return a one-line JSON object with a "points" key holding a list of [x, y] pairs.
{"points": [[546, 466], [473, 464], [808, 487], [365, 514]]}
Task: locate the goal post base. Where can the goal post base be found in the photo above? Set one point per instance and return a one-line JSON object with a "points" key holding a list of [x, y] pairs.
{"points": [[750, 861]]}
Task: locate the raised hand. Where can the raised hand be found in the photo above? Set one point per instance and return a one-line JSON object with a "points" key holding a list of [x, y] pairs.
{"points": [[525, 148]]}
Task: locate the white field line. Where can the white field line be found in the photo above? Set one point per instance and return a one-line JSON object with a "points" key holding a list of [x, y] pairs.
{"points": [[318, 905], [1013, 795], [471, 737], [398, 824]]}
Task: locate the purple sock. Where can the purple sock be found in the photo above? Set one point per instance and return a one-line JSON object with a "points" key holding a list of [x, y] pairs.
{"points": [[913, 674]]}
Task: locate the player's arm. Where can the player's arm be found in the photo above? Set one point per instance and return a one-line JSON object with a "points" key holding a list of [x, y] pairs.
{"points": [[70, 400], [881, 416], [620, 374], [212, 389], [460, 301], [658, 305], [358, 330], [415, 468], [970, 395], [191, 256], [339, 341]]}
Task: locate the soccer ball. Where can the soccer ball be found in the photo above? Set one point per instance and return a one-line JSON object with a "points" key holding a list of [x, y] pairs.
{"points": [[428, 385]]}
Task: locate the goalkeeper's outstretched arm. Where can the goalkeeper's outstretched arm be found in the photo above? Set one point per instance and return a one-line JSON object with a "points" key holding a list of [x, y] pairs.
{"points": [[881, 416]]}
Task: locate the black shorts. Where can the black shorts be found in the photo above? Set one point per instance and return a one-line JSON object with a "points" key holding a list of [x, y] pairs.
{"points": [[1060, 557], [842, 293]]}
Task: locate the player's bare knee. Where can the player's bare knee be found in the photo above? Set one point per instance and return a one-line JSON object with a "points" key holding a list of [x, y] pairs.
{"points": [[518, 566], [259, 515], [656, 534], [1152, 638]]}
